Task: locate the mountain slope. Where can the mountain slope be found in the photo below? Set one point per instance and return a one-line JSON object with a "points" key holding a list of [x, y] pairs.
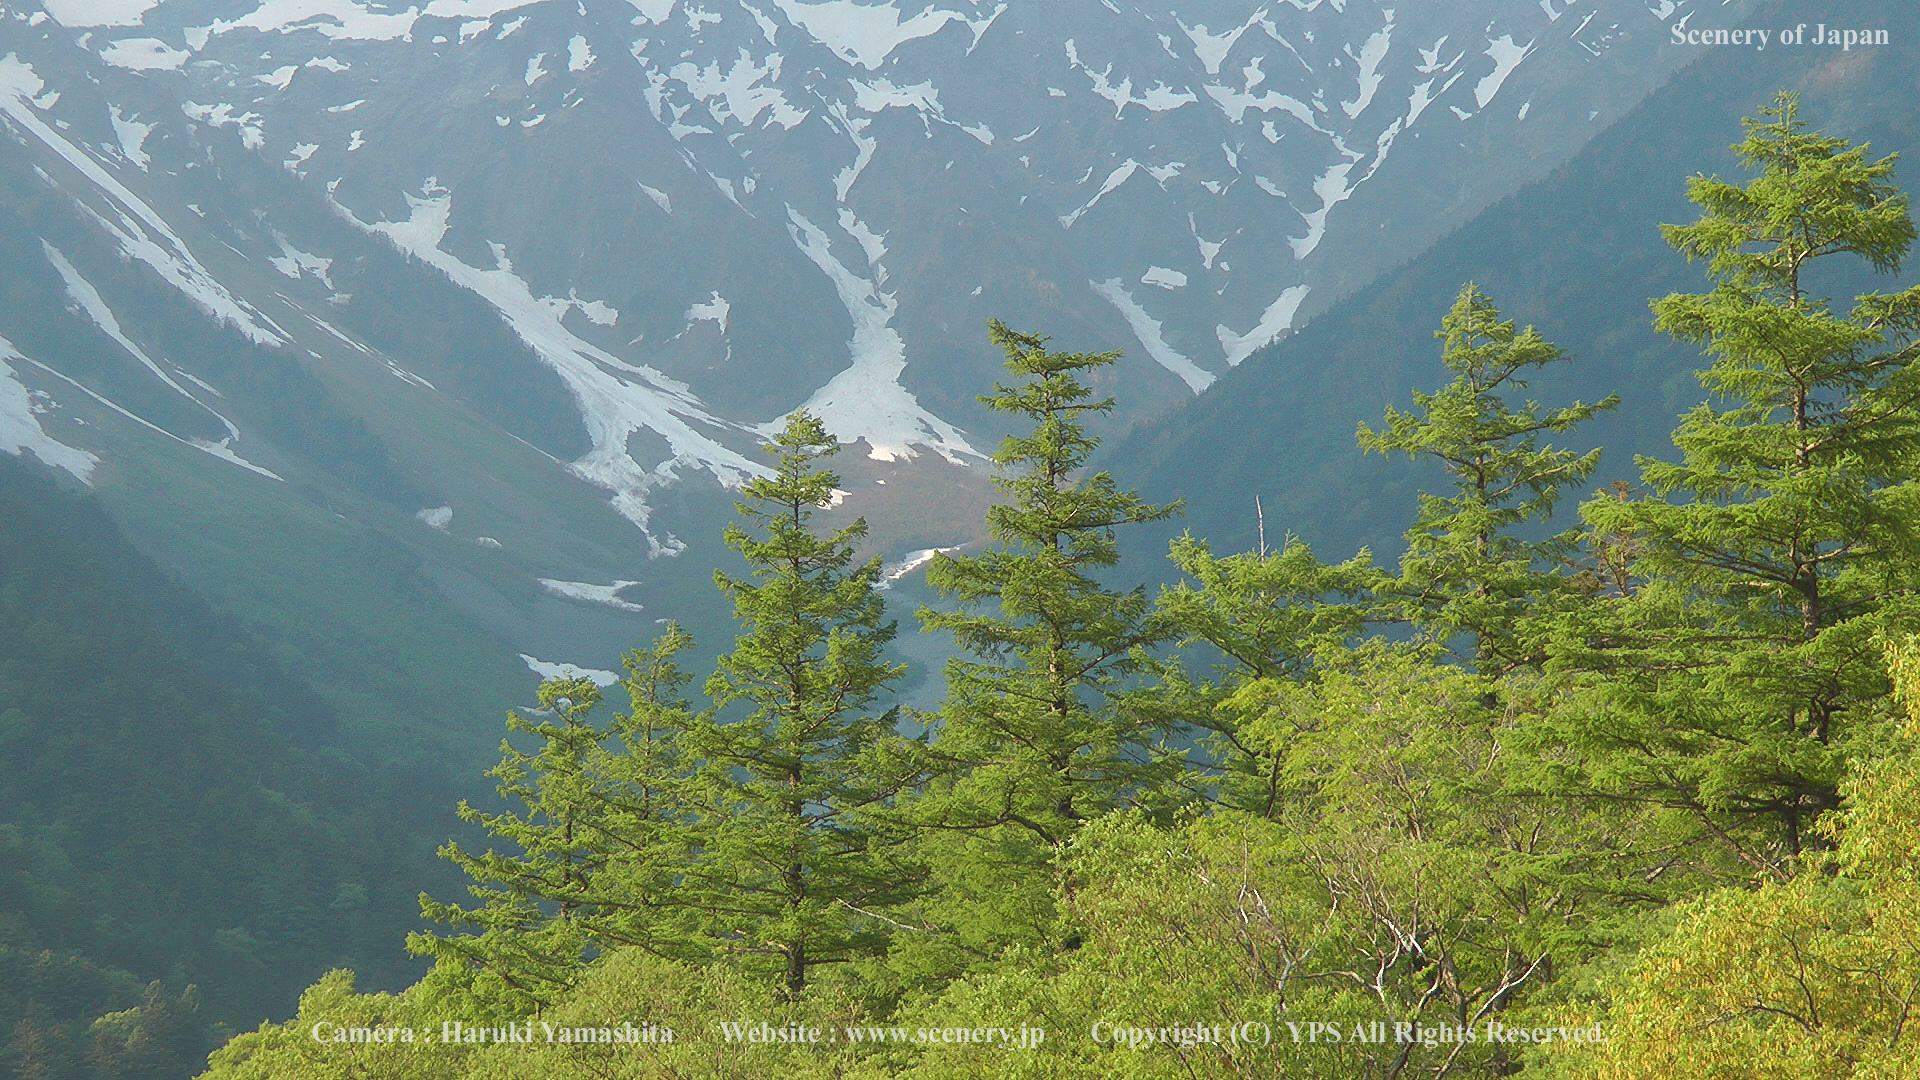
{"points": [[1578, 255], [175, 804], [423, 339]]}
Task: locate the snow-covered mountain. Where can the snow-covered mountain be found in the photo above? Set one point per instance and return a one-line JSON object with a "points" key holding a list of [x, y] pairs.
{"points": [[495, 264]]}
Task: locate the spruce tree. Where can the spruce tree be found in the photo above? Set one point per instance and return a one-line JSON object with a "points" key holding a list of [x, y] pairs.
{"points": [[1470, 573], [1739, 664], [1030, 738], [794, 871]]}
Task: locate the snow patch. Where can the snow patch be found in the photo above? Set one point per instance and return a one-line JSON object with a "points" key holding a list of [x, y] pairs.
{"points": [[616, 399], [659, 197], [346, 20], [1374, 51], [334, 19], [1113, 181], [913, 560], [1161, 98], [608, 595], [854, 128], [547, 670], [653, 11], [222, 115], [90, 302], [1506, 56], [1164, 278], [866, 401], [293, 262], [144, 54], [1210, 48], [224, 451], [221, 449], [867, 35], [408, 377], [597, 312], [78, 13], [579, 53], [714, 309], [873, 244], [1417, 102], [737, 94], [1276, 320], [1235, 103], [1333, 189], [1147, 329], [132, 135], [20, 429], [881, 94], [1209, 249]]}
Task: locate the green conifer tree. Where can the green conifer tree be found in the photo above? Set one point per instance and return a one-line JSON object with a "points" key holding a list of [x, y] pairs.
{"points": [[1257, 616], [600, 839], [1030, 737], [1740, 663], [1469, 573], [793, 866]]}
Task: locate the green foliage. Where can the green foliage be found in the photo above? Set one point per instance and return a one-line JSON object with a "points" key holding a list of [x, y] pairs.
{"points": [[63, 1017], [600, 841], [1372, 837], [792, 865], [1264, 616], [1736, 662], [1029, 740], [170, 810], [1468, 571], [1815, 977]]}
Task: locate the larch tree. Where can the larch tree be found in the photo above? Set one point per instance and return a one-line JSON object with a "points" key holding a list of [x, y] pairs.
{"points": [[1254, 618], [523, 942], [795, 868], [1730, 679], [1030, 740], [600, 833], [1470, 573]]}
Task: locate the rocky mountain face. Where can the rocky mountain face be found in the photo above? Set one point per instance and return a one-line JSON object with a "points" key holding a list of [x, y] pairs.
{"points": [[512, 290]]}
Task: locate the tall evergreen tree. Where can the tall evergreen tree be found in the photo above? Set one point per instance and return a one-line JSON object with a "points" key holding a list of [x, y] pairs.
{"points": [[1470, 572], [1740, 663], [793, 864], [600, 833], [526, 943], [1030, 736], [1257, 616]]}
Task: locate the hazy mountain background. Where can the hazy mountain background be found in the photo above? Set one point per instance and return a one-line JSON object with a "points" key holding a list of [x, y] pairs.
{"points": [[1577, 254], [359, 363]]}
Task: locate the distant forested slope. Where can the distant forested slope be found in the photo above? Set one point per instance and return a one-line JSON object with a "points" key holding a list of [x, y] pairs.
{"points": [[171, 809]]}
